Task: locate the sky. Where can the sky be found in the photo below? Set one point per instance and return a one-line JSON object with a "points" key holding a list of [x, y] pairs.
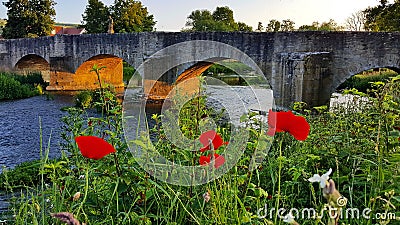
{"points": [[171, 14]]}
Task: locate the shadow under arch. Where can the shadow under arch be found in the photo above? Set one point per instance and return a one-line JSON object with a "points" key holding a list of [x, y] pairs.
{"points": [[85, 78], [32, 63]]}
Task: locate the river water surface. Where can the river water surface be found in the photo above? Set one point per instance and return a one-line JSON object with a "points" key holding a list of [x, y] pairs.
{"points": [[20, 128]]}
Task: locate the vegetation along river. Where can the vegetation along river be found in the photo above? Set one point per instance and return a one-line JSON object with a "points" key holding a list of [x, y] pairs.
{"points": [[20, 129]]}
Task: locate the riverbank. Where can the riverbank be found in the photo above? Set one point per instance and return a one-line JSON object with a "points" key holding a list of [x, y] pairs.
{"points": [[15, 86], [360, 145]]}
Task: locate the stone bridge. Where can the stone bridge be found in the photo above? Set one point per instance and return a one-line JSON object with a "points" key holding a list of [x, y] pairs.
{"points": [[300, 66]]}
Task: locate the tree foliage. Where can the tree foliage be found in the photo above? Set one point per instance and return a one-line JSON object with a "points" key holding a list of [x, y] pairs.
{"points": [[330, 25], [131, 16], [260, 26], [244, 27], [95, 17], [128, 16], [223, 16], [275, 25], [29, 18], [384, 17], [200, 20], [219, 20], [287, 25]]}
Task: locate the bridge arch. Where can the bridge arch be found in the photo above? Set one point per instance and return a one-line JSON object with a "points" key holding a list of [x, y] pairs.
{"points": [[84, 78], [187, 71], [354, 71], [382, 71], [201, 52], [33, 63]]}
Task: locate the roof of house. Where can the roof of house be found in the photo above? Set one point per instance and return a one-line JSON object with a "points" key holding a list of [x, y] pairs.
{"points": [[67, 30]]}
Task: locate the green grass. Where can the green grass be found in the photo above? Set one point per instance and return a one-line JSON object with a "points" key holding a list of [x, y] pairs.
{"points": [[362, 148]]}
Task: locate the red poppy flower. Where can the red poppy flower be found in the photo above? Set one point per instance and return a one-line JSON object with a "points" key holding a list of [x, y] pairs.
{"points": [[297, 126], [219, 160], [211, 135], [94, 147]]}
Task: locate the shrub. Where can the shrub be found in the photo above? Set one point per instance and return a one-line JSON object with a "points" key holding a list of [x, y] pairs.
{"points": [[13, 89], [363, 83], [128, 73], [31, 79], [25, 173], [84, 99]]}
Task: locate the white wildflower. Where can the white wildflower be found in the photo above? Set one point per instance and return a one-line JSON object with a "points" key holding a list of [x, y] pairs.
{"points": [[323, 180]]}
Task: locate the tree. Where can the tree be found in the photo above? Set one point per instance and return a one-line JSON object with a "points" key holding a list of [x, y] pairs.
{"points": [[223, 17], [313, 27], [95, 17], [219, 20], [18, 19], [2, 25], [356, 21], [287, 25], [131, 16], [273, 26], [201, 20], [260, 26], [331, 25], [43, 14], [29, 18], [244, 27], [384, 17], [384, 2]]}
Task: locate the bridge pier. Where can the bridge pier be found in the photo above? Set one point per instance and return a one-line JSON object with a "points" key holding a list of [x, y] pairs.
{"points": [[302, 77]]}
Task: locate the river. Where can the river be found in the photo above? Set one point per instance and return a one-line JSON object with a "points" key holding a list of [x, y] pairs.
{"points": [[20, 128]]}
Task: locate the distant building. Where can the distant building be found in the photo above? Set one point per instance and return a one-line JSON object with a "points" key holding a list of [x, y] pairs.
{"points": [[67, 30]]}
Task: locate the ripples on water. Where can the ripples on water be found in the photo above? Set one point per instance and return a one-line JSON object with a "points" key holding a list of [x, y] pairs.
{"points": [[20, 130]]}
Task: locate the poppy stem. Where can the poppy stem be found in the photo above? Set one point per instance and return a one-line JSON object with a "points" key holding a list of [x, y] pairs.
{"points": [[86, 189], [97, 69], [117, 165], [212, 158], [279, 179]]}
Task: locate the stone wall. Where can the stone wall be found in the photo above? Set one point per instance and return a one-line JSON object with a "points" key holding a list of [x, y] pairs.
{"points": [[343, 55]]}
